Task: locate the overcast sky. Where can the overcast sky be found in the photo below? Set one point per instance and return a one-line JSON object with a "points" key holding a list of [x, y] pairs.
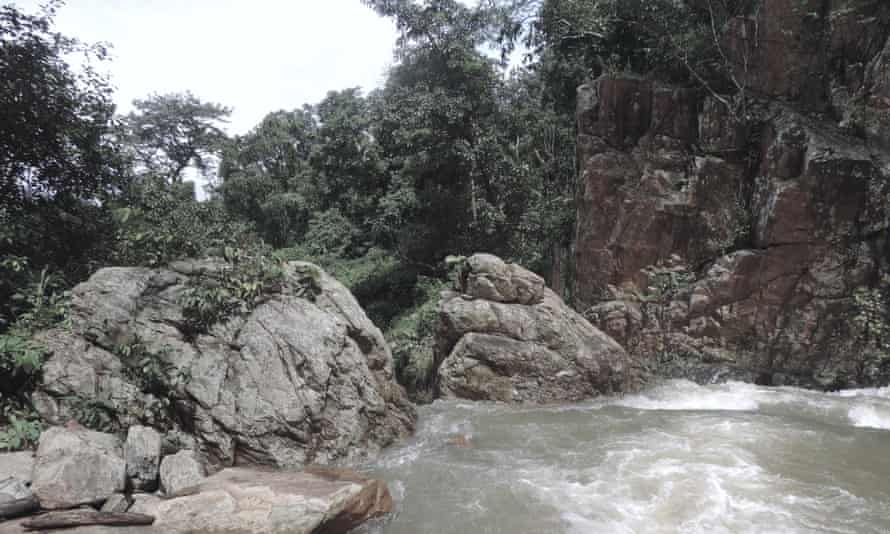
{"points": [[255, 56]]}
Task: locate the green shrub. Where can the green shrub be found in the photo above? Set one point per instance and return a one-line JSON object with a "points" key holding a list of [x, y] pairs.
{"points": [[285, 219], [151, 371], [22, 431], [161, 226], [236, 288], [412, 338]]}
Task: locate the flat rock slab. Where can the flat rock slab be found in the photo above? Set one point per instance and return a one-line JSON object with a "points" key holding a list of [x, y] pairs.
{"points": [[248, 501]]}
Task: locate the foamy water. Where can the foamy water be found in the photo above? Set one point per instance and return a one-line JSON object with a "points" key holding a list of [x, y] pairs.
{"points": [[731, 458]]}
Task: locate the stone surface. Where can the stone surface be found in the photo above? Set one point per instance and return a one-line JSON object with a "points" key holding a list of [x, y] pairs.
{"points": [[142, 451], [117, 503], [76, 466], [243, 501], [295, 381], [181, 471], [13, 489], [532, 349], [739, 244], [17, 464]]}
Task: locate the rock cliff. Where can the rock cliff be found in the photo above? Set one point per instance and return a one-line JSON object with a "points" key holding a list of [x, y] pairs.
{"points": [[296, 380], [749, 238]]}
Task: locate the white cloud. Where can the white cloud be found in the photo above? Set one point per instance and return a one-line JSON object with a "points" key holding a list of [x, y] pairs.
{"points": [[255, 56]]}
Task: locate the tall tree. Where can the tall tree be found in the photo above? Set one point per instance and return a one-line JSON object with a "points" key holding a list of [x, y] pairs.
{"points": [[168, 133], [435, 126], [58, 161], [54, 119]]}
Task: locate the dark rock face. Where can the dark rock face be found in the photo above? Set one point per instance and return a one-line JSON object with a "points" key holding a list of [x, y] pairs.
{"points": [[506, 337], [293, 382], [705, 241]]}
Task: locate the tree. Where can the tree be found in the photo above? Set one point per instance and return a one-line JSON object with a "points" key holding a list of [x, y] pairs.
{"points": [[58, 159], [436, 124], [54, 121], [168, 133]]}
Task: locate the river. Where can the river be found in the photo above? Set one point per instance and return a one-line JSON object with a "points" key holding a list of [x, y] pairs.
{"points": [[679, 458]]}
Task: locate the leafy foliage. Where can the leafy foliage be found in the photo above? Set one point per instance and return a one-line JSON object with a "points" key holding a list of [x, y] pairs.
{"points": [[22, 432], [237, 287], [55, 121], [161, 224], [151, 371], [169, 133]]}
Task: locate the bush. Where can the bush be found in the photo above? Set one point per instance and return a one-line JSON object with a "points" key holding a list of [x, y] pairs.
{"points": [[383, 285], [236, 288], [412, 338], [22, 431], [285, 219], [162, 226]]}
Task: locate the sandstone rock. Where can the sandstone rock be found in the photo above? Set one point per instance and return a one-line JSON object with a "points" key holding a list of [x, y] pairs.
{"points": [[295, 381], [537, 353], [181, 471], [17, 465], [777, 224], [242, 501], [75, 466], [142, 452]]}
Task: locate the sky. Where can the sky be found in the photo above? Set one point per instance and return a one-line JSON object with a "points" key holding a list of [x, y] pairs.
{"points": [[254, 56]]}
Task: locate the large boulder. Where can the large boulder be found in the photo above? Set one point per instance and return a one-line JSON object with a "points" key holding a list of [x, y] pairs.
{"points": [[244, 501], [301, 378], [76, 466], [506, 337]]}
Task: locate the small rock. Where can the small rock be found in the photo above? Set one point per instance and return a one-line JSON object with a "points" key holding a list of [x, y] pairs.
{"points": [[180, 471], [143, 454], [118, 503], [13, 489], [143, 503], [77, 466]]}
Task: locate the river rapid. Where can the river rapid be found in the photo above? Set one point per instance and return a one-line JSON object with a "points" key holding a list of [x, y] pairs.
{"points": [[729, 458]]}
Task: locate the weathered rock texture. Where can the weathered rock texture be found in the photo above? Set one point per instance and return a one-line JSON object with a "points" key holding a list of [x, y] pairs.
{"points": [[76, 466], [17, 465], [507, 337], [142, 452], [243, 501], [740, 243], [181, 471], [295, 381]]}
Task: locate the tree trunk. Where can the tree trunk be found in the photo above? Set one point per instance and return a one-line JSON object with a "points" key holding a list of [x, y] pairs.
{"points": [[83, 517], [18, 507]]}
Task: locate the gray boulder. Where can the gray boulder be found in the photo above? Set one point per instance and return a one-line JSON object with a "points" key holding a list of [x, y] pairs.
{"points": [[297, 380], [76, 466], [181, 471], [506, 337], [142, 452]]}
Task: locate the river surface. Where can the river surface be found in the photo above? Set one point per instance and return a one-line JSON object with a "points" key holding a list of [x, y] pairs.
{"points": [[681, 457]]}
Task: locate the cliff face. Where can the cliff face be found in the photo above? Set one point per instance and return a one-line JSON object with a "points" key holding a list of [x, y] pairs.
{"points": [[753, 241]]}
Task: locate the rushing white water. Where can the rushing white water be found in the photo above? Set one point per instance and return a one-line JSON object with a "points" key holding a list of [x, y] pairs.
{"points": [[730, 458]]}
